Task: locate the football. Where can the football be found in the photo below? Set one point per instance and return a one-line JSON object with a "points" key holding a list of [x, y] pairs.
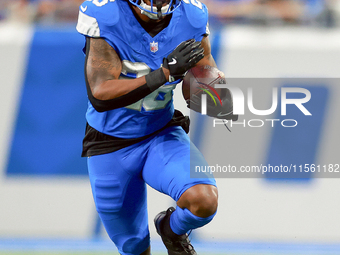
{"points": [[201, 77]]}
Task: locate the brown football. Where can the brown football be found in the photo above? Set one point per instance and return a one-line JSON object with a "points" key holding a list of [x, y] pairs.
{"points": [[200, 77]]}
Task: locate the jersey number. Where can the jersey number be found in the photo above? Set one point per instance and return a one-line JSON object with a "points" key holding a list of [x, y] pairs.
{"points": [[154, 101], [194, 2], [101, 2]]}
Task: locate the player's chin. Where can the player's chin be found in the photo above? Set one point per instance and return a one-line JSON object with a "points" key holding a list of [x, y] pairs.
{"points": [[156, 20]]}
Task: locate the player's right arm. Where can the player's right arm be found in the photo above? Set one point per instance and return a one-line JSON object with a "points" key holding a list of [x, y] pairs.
{"points": [[103, 67], [102, 70]]}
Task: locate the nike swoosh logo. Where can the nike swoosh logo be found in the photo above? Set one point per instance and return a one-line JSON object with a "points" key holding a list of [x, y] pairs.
{"points": [[83, 8], [173, 62], [220, 114]]}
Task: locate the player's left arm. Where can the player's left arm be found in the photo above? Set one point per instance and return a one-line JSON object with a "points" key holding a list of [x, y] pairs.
{"points": [[224, 111], [208, 58]]}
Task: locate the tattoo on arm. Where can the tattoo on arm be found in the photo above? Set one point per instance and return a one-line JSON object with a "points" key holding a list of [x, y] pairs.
{"points": [[103, 62], [102, 70]]}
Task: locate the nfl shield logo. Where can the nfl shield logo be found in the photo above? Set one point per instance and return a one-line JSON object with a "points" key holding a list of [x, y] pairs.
{"points": [[154, 46]]}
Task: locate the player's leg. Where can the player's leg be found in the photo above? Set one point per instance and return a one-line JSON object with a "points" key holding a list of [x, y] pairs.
{"points": [[120, 197], [167, 169]]}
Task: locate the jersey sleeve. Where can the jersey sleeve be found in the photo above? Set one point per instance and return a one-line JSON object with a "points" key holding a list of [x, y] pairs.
{"points": [[96, 18], [197, 15]]}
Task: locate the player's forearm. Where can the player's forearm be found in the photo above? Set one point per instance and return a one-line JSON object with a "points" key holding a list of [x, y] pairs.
{"points": [[111, 89], [208, 58], [113, 94], [115, 88]]}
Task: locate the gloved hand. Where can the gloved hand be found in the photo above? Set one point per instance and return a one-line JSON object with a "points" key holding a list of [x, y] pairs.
{"points": [[214, 107], [186, 55]]}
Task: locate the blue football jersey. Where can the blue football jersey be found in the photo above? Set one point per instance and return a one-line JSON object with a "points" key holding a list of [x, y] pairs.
{"points": [[140, 53]]}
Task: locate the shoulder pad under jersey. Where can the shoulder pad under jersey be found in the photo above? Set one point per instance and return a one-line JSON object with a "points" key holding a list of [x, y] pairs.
{"points": [[96, 15], [196, 13]]}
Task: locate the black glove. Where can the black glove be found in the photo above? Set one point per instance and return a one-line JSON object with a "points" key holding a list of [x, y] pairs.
{"points": [[185, 56], [224, 111]]}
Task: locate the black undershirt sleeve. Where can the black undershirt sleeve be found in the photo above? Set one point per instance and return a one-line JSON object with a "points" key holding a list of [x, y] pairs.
{"points": [[154, 80]]}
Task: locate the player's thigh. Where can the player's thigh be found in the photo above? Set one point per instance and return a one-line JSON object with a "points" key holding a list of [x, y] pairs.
{"points": [[171, 158], [120, 197]]}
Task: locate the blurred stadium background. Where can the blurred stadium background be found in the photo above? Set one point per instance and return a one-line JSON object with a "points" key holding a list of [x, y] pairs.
{"points": [[46, 204]]}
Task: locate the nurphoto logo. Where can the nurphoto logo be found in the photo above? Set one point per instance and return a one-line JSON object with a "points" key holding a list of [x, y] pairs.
{"points": [[242, 100]]}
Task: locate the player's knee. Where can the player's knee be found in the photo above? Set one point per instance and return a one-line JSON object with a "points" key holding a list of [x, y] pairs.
{"points": [[201, 200], [206, 204]]}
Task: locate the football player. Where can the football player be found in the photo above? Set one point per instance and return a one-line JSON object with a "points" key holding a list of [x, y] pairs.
{"points": [[136, 53]]}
